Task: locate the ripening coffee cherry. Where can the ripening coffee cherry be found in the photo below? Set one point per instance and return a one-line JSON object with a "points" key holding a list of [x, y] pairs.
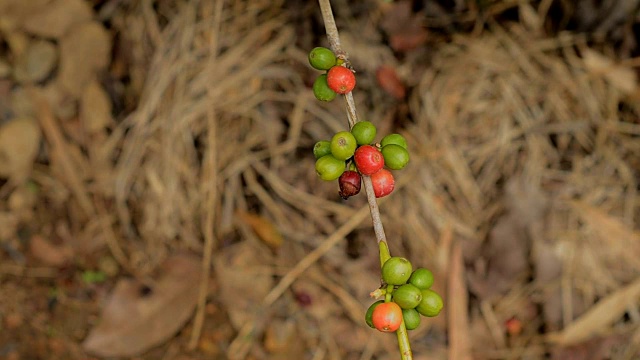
{"points": [[368, 159], [364, 132], [329, 168], [321, 89], [396, 270], [383, 183], [350, 183], [341, 80], [343, 145], [395, 156], [387, 317], [322, 58]]}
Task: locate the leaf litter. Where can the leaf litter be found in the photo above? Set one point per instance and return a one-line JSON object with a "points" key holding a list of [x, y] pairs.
{"points": [[521, 194]]}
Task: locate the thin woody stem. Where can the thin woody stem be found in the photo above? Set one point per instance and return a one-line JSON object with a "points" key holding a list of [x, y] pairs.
{"points": [[334, 43]]}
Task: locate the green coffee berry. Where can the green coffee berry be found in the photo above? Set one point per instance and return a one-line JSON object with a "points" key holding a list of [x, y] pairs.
{"points": [[431, 303], [343, 145], [407, 296], [329, 168], [395, 156], [364, 132], [321, 148], [322, 58], [321, 90], [411, 318], [396, 270], [394, 139], [421, 278]]}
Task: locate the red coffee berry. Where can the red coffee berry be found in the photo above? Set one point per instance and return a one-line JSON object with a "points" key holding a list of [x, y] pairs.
{"points": [[383, 183], [387, 317], [340, 79], [368, 159], [350, 183]]}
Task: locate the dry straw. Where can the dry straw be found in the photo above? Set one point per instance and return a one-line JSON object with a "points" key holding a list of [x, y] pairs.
{"points": [[502, 108]]}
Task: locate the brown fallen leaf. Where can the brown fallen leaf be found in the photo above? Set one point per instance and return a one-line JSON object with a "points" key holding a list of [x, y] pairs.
{"points": [[390, 82], [265, 229], [282, 340], [404, 28], [49, 253], [509, 241], [240, 271], [134, 320]]}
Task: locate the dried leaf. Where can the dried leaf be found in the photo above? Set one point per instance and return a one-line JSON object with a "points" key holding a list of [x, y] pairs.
{"points": [[240, 271], [134, 321], [19, 144], [600, 317], [404, 28], [509, 240], [48, 253], [83, 52], [390, 82], [281, 339], [264, 228], [55, 19]]}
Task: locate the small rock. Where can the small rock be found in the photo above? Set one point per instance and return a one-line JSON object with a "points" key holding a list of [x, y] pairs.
{"points": [[18, 42], [84, 51], [95, 108], [57, 18], [19, 144], [13, 13], [64, 105], [21, 103], [5, 69], [36, 63]]}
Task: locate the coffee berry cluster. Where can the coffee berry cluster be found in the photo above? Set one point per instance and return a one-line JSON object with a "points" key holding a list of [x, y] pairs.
{"points": [[408, 295], [351, 154], [337, 79]]}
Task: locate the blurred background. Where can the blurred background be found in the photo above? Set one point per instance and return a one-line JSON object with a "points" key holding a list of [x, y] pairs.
{"points": [[142, 141]]}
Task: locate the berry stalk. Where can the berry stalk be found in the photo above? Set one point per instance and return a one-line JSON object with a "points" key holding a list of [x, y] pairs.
{"points": [[334, 43]]}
